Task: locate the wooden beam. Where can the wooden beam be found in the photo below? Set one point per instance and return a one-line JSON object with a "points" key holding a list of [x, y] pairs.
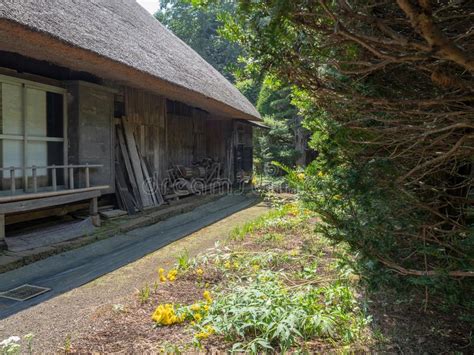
{"points": [[94, 211], [3, 243], [50, 212], [29, 205], [49, 194]]}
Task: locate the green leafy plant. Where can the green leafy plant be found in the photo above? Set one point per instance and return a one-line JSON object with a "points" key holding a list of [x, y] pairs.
{"points": [[144, 294], [10, 346], [266, 315], [184, 260]]}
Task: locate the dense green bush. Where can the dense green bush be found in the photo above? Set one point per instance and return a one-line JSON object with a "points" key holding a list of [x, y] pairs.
{"points": [[386, 90]]}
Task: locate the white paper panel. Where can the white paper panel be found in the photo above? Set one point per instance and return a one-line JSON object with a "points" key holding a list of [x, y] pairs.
{"points": [[37, 153], [36, 113], [12, 156], [11, 109]]}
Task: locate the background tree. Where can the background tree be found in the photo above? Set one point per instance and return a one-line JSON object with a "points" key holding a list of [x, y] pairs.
{"points": [[281, 116], [198, 27], [387, 89]]}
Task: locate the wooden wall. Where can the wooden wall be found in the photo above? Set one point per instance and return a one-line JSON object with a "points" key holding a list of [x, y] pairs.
{"points": [[187, 138], [147, 113], [90, 131], [219, 143], [166, 134], [171, 133]]}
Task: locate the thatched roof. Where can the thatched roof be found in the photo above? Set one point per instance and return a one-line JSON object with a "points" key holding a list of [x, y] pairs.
{"points": [[118, 32]]}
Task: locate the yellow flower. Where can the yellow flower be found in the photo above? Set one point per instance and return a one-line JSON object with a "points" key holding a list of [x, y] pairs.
{"points": [[206, 308], [161, 273], [208, 331], [236, 265], [301, 176], [321, 174], [197, 317], [294, 252], [202, 335], [200, 272], [195, 307], [172, 275], [227, 265], [207, 296], [165, 315]]}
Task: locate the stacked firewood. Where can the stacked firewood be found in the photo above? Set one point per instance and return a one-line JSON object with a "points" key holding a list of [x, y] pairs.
{"points": [[201, 177]]}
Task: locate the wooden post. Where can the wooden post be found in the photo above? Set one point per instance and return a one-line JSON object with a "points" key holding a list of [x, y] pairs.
{"points": [[13, 182], [94, 212], [71, 178], [88, 183], [3, 243], [54, 177], [25, 137], [35, 179]]}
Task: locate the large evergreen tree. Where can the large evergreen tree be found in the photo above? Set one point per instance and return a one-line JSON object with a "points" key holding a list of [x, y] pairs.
{"points": [[281, 116], [198, 27]]}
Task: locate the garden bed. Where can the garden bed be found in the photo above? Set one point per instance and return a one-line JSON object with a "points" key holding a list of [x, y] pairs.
{"points": [[273, 286]]}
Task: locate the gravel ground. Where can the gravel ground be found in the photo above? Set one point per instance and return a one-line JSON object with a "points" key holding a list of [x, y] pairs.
{"points": [[64, 317]]}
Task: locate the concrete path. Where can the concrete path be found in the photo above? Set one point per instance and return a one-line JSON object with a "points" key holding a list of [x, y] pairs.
{"points": [[72, 269]]}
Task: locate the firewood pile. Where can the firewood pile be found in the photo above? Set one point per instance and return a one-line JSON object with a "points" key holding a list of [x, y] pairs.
{"points": [[203, 176]]}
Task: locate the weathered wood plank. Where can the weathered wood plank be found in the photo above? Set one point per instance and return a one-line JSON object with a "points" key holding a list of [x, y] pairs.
{"points": [[135, 160], [49, 194], [128, 167], [32, 215], [113, 214], [124, 197], [29, 205], [148, 182]]}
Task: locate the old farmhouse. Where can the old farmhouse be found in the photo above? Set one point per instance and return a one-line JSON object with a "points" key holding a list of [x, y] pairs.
{"points": [[99, 100]]}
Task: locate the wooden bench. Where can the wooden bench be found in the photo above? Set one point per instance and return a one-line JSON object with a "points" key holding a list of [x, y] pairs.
{"points": [[31, 202]]}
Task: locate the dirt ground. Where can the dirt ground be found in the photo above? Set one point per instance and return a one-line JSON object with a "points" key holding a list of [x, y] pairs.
{"points": [[58, 322]]}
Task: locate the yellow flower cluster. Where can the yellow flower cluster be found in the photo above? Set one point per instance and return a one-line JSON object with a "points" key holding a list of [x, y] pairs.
{"points": [[197, 317], [229, 265], [171, 275], [206, 333], [199, 272], [207, 296], [165, 314], [161, 274]]}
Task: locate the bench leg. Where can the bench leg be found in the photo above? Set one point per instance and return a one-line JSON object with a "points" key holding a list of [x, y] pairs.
{"points": [[3, 243], [94, 212]]}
